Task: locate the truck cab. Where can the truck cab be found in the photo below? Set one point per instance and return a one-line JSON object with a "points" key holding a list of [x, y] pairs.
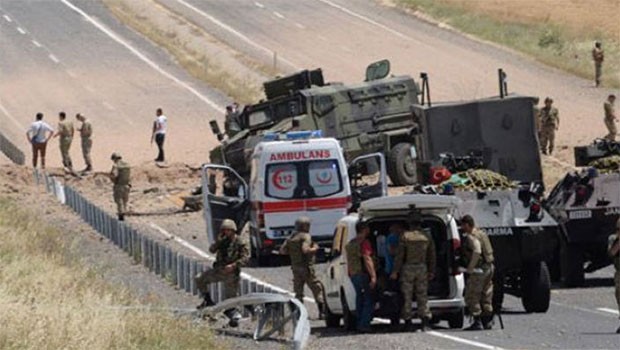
{"points": [[445, 290]]}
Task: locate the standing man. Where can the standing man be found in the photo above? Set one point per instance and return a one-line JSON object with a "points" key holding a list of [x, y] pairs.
{"points": [[362, 273], [230, 255], [38, 134], [121, 178], [231, 121], [614, 253], [159, 133], [478, 255], [415, 262], [391, 246], [65, 131], [598, 56], [550, 122], [610, 117], [302, 250], [86, 133]]}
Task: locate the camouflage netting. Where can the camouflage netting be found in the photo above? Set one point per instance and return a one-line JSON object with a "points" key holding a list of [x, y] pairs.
{"points": [[606, 165], [480, 179]]}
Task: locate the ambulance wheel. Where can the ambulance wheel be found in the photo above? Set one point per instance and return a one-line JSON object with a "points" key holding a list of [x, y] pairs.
{"points": [[455, 320], [401, 167], [535, 287]]}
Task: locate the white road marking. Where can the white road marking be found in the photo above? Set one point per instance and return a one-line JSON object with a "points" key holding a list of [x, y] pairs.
{"points": [[320, 37], [611, 311], [463, 340], [71, 73], [142, 57], [36, 43], [89, 88], [54, 58], [300, 26], [579, 308], [21, 31], [278, 14], [366, 19], [108, 106], [233, 31], [7, 18], [19, 125], [258, 4]]}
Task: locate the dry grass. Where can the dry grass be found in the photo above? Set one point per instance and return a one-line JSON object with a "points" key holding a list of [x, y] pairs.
{"points": [[49, 301], [196, 63], [560, 33]]}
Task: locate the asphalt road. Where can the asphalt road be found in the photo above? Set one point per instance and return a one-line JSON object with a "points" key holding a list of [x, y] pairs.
{"points": [[55, 58]]}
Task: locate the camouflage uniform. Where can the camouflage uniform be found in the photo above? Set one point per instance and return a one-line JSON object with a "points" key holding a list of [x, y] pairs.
{"points": [[610, 121], [227, 252], [65, 130], [550, 121], [415, 261], [479, 286], [616, 259], [121, 177], [303, 266], [86, 132], [598, 56]]}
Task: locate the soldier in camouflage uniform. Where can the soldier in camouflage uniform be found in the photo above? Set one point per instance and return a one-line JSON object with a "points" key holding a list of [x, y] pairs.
{"points": [[302, 250], [415, 262], [610, 117], [614, 253], [86, 133], [478, 255], [550, 122], [121, 178], [231, 253], [598, 56], [65, 131]]}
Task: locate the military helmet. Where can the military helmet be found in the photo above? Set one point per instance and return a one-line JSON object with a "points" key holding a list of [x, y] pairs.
{"points": [[302, 223], [115, 156], [228, 224]]}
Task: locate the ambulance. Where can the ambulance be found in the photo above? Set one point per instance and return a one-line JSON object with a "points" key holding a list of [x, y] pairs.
{"points": [[294, 174]]}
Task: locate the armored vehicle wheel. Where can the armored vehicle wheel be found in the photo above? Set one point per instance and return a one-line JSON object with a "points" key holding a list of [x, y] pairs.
{"points": [[401, 167], [535, 287], [348, 318], [331, 320], [572, 265], [456, 319]]}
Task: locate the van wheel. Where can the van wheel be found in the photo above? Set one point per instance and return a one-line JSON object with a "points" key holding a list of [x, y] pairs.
{"points": [[401, 167], [455, 320], [348, 318], [331, 320], [572, 265], [535, 287]]}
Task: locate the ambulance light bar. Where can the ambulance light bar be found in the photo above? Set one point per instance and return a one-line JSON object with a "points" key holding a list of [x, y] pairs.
{"points": [[292, 135]]}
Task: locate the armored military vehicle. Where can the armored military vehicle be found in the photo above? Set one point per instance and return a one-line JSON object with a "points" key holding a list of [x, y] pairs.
{"points": [[586, 204], [367, 117]]}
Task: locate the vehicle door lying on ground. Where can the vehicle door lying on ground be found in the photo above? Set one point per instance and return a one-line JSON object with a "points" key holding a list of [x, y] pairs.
{"points": [[445, 289]]}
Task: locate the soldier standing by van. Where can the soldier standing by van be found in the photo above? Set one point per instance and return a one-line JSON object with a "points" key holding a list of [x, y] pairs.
{"points": [[478, 254], [302, 250], [550, 122], [362, 273], [86, 133], [610, 117], [415, 262], [231, 253], [121, 178], [614, 253], [65, 131]]}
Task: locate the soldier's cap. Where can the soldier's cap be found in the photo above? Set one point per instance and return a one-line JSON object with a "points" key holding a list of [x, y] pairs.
{"points": [[548, 99], [612, 96], [228, 224], [115, 156], [302, 222]]}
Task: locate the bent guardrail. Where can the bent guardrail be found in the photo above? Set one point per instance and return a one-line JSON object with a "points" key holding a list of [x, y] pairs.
{"points": [[11, 151]]}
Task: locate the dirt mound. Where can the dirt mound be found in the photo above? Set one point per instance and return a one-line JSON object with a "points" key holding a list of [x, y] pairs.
{"points": [[15, 178]]}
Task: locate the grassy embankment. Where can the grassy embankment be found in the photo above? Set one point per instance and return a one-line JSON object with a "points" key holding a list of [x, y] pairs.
{"points": [[48, 300], [558, 33]]}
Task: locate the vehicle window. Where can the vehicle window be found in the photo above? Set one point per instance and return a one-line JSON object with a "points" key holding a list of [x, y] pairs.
{"points": [[324, 177], [281, 180], [308, 179], [258, 118]]}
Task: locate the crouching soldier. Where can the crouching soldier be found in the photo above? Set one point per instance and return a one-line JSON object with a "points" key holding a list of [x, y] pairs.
{"points": [[231, 255], [415, 263]]}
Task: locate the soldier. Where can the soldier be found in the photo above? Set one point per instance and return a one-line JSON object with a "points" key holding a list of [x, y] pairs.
{"points": [[231, 253], [537, 115], [38, 135], [478, 254], [415, 262], [362, 273], [614, 253], [231, 121], [86, 133], [610, 117], [65, 131], [550, 122], [121, 178], [302, 250], [598, 56]]}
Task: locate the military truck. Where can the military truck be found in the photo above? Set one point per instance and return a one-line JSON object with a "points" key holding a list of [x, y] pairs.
{"points": [[367, 117], [586, 204]]}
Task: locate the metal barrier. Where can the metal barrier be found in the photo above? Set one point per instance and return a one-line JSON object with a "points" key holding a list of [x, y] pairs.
{"points": [[11, 151]]}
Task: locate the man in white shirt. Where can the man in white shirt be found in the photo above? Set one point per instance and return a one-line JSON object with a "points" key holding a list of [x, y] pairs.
{"points": [[38, 134], [159, 133]]}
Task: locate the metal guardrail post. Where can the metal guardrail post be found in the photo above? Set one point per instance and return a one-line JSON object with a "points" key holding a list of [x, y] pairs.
{"points": [[180, 272], [143, 250], [186, 274], [137, 244], [156, 261], [193, 268], [253, 288], [174, 268]]}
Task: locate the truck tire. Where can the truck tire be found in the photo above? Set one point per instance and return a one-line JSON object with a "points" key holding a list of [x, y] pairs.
{"points": [[455, 320], [401, 167], [348, 318], [535, 287], [573, 274]]}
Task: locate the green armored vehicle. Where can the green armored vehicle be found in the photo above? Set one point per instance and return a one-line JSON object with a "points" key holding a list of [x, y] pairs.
{"points": [[367, 117]]}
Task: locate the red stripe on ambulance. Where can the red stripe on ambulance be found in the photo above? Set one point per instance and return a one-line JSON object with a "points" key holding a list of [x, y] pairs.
{"points": [[306, 204]]}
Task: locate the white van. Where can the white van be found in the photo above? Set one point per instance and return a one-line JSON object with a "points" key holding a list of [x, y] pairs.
{"points": [[292, 174], [445, 290]]}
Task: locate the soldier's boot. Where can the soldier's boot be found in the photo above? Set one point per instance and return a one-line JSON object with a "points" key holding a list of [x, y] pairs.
{"points": [[206, 302], [476, 325], [234, 316], [487, 322], [321, 309], [550, 150], [426, 324]]}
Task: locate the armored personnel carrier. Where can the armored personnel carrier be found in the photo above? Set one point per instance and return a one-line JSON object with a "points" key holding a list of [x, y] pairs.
{"points": [[367, 117], [586, 204]]}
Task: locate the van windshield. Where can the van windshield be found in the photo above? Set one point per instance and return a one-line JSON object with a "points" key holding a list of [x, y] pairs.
{"points": [[307, 179]]}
